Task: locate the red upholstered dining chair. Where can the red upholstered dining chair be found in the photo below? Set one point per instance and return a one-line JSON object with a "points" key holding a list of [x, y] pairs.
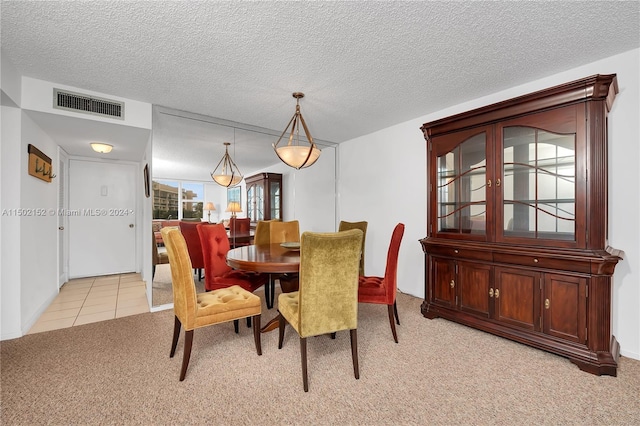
{"points": [[215, 246], [382, 290], [190, 234], [217, 274]]}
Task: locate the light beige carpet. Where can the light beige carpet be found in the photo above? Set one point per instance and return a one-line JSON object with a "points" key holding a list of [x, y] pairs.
{"points": [[119, 372]]}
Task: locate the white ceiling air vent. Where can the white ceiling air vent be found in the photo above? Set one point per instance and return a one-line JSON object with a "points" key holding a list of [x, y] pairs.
{"points": [[70, 101]]}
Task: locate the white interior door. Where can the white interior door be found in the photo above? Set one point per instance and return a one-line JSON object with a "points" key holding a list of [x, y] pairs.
{"points": [[102, 235]]}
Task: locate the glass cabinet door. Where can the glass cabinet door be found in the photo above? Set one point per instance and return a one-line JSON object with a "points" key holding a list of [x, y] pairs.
{"points": [[264, 196], [539, 186], [539, 173], [255, 202], [461, 184], [275, 200]]}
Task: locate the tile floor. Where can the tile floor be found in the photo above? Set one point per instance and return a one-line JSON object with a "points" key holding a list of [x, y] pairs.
{"points": [[86, 300]]}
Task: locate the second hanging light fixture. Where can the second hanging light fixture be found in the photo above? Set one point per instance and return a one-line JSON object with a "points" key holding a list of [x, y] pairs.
{"points": [[226, 172], [294, 154]]}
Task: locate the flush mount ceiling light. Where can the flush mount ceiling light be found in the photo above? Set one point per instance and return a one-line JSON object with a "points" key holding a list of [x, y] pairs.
{"points": [[102, 148], [226, 172], [293, 154]]}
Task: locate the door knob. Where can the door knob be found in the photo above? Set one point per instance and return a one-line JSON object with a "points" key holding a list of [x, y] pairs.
{"points": [[131, 225], [61, 228]]}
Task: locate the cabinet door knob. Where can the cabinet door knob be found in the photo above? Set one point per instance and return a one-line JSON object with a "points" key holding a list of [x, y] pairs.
{"points": [[535, 260], [455, 251], [490, 292], [489, 183], [452, 283], [497, 293], [497, 182], [546, 303]]}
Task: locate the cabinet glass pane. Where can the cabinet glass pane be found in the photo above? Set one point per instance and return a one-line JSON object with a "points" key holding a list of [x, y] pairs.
{"points": [[254, 203], [539, 184], [275, 200], [461, 187], [259, 202]]}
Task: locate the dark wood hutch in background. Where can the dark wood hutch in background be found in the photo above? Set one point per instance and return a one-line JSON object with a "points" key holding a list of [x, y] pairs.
{"points": [[516, 239], [264, 196]]}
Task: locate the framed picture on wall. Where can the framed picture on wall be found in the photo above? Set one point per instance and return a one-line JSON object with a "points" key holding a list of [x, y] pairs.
{"points": [[234, 194], [147, 191]]}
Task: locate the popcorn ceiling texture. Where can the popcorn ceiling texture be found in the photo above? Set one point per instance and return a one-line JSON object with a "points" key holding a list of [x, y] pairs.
{"points": [[363, 65]]}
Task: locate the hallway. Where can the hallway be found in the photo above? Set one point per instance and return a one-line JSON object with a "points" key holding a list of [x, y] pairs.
{"points": [[93, 299]]}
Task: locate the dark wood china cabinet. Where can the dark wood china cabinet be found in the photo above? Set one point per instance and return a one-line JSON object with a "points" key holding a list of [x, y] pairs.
{"points": [[264, 196], [516, 239]]}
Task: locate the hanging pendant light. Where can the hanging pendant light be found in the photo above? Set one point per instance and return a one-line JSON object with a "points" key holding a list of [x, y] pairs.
{"points": [[293, 154], [228, 175]]}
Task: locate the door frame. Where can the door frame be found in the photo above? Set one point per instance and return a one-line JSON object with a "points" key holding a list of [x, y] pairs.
{"points": [[63, 220]]}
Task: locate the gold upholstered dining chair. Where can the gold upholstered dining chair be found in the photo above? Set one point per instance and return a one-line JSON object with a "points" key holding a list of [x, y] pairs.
{"points": [[195, 310], [282, 232], [262, 234], [345, 226], [327, 298]]}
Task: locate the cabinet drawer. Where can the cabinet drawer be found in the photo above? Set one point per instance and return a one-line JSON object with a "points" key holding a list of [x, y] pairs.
{"points": [[542, 262], [460, 253]]}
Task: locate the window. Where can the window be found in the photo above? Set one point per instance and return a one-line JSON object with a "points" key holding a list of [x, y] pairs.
{"points": [[177, 200]]}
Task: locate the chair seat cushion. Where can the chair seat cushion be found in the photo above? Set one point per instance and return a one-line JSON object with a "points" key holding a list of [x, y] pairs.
{"points": [[371, 290], [225, 304], [288, 306]]}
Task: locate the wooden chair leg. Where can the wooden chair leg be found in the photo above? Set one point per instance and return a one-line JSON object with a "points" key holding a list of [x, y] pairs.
{"points": [[395, 311], [392, 322], [188, 341], [256, 334], [176, 335], [303, 356], [281, 325], [249, 322], [153, 272], [333, 335], [354, 352], [235, 326]]}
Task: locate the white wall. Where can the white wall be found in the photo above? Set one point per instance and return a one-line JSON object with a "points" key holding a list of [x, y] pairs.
{"points": [[10, 224], [382, 179], [10, 183], [309, 194], [38, 233]]}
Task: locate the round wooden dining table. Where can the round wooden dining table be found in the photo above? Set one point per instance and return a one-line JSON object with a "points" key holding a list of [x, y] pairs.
{"points": [[266, 258]]}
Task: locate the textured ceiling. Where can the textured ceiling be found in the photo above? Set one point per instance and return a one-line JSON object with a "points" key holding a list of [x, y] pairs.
{"points": [[363, 66]]}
